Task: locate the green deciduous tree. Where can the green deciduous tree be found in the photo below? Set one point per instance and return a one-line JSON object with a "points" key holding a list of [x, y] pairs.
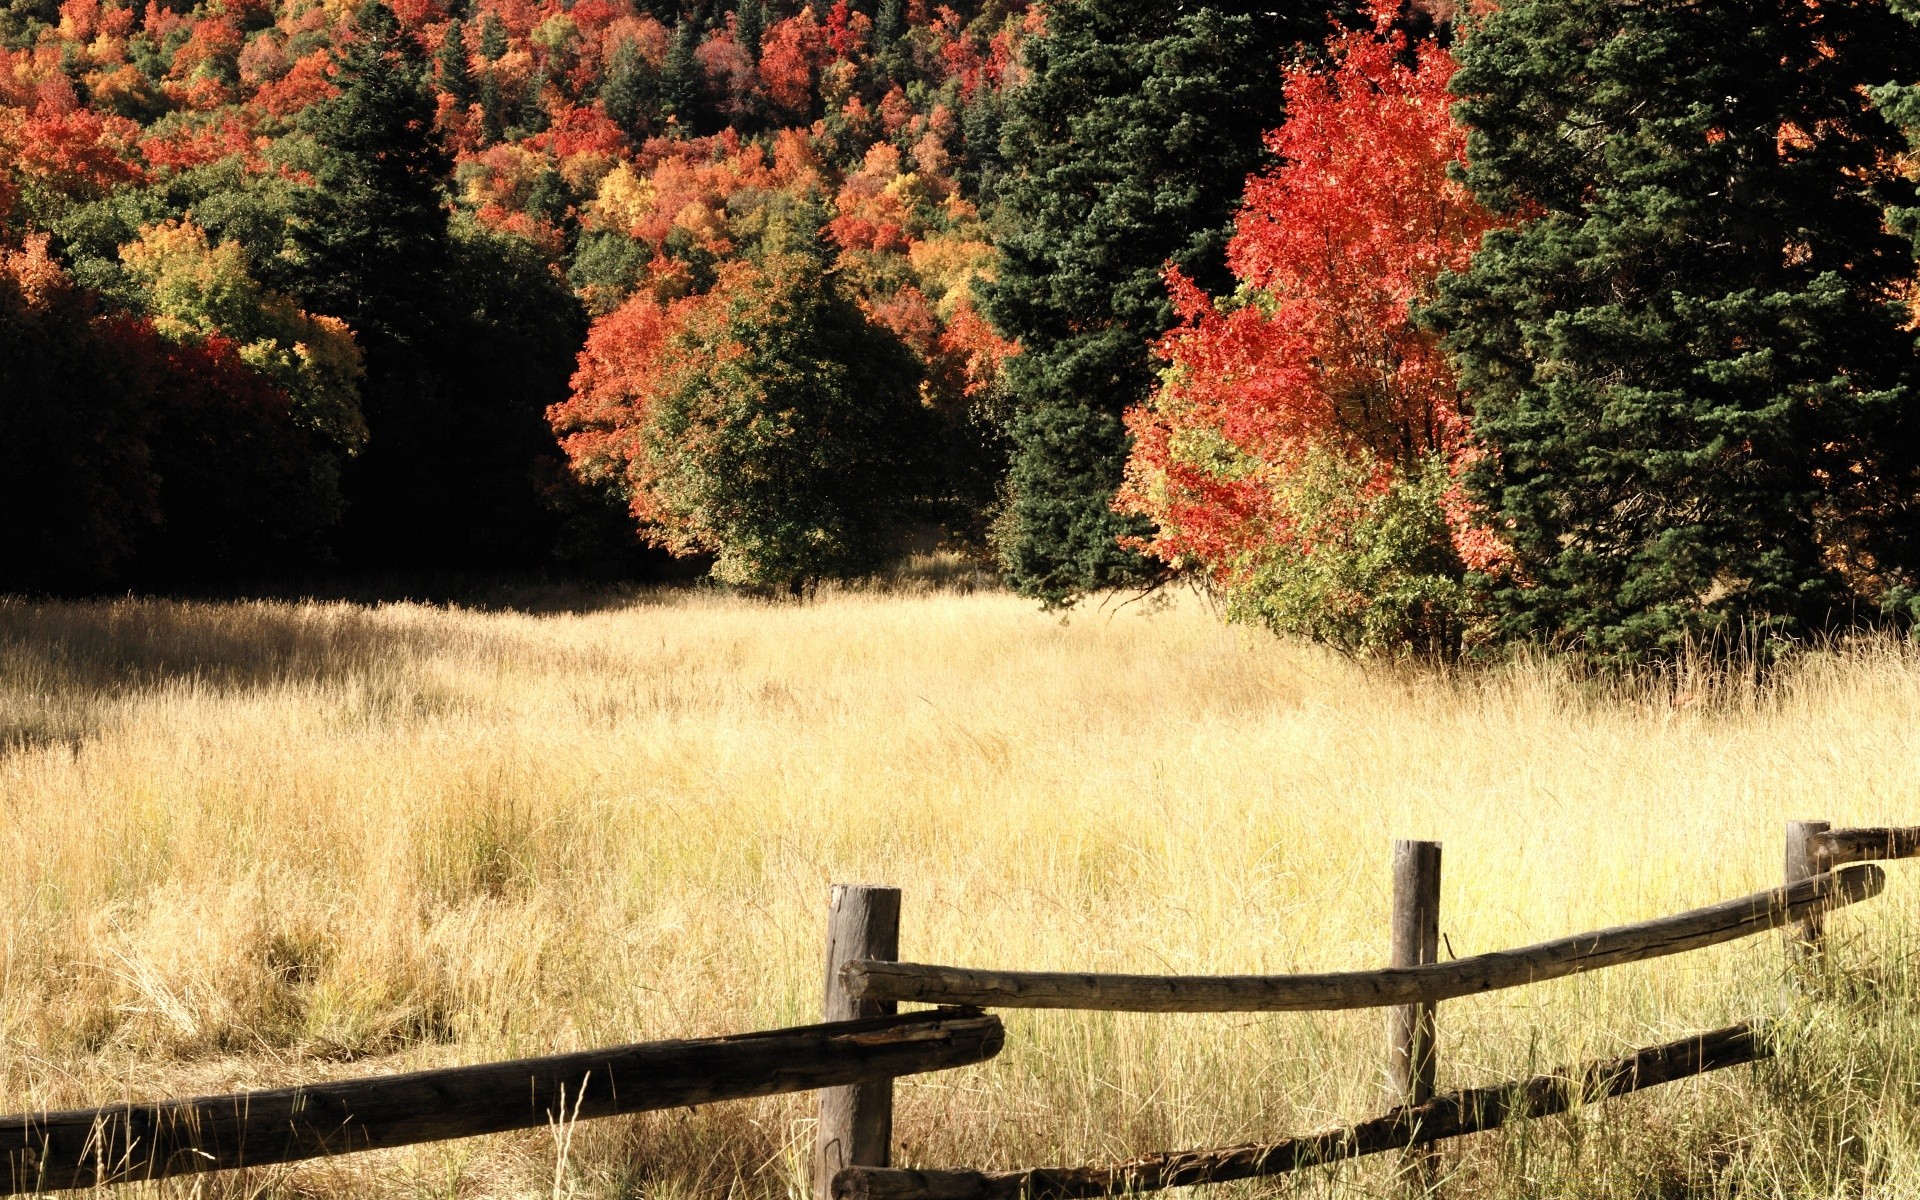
{"points": [[1125, 149], [1691, 366], [768, 423]]}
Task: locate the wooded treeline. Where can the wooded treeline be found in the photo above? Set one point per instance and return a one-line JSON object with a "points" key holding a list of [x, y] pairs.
{"points": [[1557, 322]]}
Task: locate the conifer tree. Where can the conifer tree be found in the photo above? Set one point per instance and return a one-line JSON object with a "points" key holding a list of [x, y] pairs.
{"points": [[371, 234], [493, 125], [750, 25], [680, 81], [1691, 363], [630, 92], [1126, 148], [889, 24], [456, 75], [493, 37]]}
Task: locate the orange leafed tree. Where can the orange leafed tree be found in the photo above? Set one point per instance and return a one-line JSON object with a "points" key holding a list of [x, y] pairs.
{"points": [[1302, 449]]}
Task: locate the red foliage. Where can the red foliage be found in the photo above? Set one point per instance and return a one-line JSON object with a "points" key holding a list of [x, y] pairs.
{"points": [[77, 154], [1339, 242], [790, 53], [623, 368], [305, 83], [191, 146]]}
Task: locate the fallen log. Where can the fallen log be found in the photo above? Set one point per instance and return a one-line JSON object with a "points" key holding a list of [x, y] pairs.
{"points": [[1448, 1116], [1724, 922], [126, 1142]]}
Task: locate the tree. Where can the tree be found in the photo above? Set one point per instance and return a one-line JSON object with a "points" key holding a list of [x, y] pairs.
{"points": [[456, 73], [1302, 449], [77, 489], [680, 78], [371, 234], [457, 325], [630, 96], [750, 26], [1691, 362], [1126, 148], [768, 423]]}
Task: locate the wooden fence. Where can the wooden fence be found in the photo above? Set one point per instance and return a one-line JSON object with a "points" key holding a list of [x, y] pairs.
{"points": [[1823, 873], [864, 1045]]}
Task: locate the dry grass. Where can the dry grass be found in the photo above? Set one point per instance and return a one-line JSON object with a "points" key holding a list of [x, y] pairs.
{"points": [[252, 843]]}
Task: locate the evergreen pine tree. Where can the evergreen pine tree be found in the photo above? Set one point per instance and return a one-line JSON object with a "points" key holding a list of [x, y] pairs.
{"points": [[1126, 148], [456, 75], [493, 125], [631, 90], [1690, 360], [371, 234], [889, 24], [493, 37], [533, 113], [750, 25], [680, 81]]}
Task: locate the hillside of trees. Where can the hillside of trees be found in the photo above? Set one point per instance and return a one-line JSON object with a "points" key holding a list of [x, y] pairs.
{"points": [[1404, 330]]}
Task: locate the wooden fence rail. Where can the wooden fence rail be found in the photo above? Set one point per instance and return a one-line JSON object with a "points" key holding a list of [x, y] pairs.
{"points": [[1448, 1116], [122, 1143], [1702, 927], [1818, 880], [852, 1062]]}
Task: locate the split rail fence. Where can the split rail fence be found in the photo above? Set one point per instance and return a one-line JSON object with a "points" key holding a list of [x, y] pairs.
{"points": [[853, 1058]]}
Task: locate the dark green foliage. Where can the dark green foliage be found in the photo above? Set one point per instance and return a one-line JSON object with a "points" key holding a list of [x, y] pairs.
{"points": [[631, 94], [750, 25], [680, 80], [1690, 363], [371, 234], [889, 24], [456, 74], [493, 125], [607, 266], [22, 20], [467, 339], [76, 480], [493, 37], [1126, 148], [532, 118], [793, 449]]}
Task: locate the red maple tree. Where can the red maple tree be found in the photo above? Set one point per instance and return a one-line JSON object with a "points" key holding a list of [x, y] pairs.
{"points": [[1318, 358]]}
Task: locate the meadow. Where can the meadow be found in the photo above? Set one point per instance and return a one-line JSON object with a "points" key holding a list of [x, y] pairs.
{"points": [[251, 843]]}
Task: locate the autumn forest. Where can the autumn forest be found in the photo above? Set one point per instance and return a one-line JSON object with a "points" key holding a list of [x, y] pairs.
{"points": [[1405, 330]]}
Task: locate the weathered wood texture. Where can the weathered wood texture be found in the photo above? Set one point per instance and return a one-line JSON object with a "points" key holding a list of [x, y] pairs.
{"points": [[1415, 941], [1694, 930], [1842, 846], [1447, 1116], [51, 1151], [1807, 856], [856, 1121]]}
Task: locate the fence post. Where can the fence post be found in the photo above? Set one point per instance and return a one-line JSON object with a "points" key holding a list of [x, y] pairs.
{"points": [[1410, 1027], [856, 1122], [1806, 857]]}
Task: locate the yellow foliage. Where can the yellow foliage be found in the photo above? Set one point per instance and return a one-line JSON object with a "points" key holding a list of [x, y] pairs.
{"points": [[623, 201], [195, 289]]}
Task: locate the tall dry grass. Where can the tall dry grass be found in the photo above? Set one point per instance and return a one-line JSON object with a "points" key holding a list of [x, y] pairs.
{"points": [[247, 844]]}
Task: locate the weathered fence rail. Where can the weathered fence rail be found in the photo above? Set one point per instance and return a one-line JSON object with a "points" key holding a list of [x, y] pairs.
{"points": [[853, 1059], [1426, 984], [1448, 1116], [123, 1143], [1818, 880]]}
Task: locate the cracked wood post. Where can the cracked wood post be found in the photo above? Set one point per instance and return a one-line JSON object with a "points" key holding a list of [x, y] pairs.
{"points": [[1806, 857], [856, 1122], [1410, 1027]]}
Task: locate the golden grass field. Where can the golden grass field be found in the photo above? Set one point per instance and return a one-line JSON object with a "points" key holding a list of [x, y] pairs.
{"points": [[252, 843]]}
